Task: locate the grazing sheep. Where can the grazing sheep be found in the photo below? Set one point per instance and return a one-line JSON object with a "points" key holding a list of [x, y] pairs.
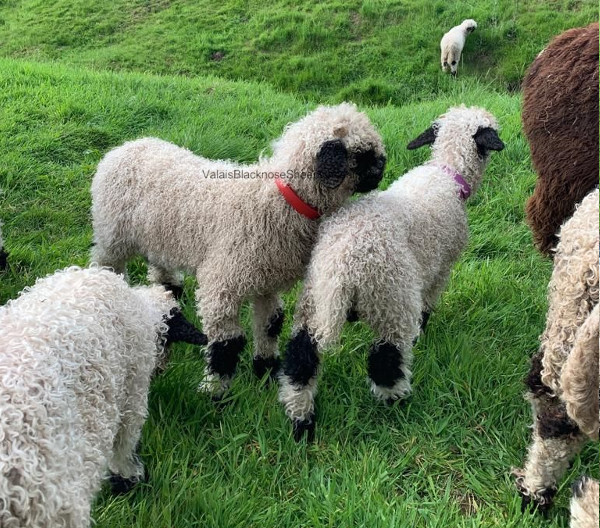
{"points": [[560, 120], [3, 253], [76, 354], [452, 44], [243, 234], [386, 259], [563, 380], [584, 503]]}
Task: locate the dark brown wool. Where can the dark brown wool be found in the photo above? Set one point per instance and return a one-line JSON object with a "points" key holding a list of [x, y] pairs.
{"points": [[560, 119]]}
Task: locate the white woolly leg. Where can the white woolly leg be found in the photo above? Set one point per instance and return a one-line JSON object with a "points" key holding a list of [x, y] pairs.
{"points": [[214, 384], [160, 275], [267, 321], [401, 389], [298, 401], [547, 461]]}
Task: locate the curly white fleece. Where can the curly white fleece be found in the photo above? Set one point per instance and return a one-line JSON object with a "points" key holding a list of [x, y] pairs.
{"points": [[239, 237], [389, 255], [76, 353]]}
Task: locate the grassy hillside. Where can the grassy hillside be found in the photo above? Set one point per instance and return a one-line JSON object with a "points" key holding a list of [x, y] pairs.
{"points": [[442, 460], [370, 51]]}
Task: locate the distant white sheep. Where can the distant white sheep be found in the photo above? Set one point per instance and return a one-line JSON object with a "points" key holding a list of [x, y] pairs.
{"points": [[453, 42]]}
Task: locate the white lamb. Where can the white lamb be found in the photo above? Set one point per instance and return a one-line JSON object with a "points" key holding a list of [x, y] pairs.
{"points": [[453, 42], [246, 232], [76, 354], [386, 258]]}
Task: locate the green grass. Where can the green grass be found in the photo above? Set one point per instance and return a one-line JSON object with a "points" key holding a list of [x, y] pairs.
{"points": [[441, 460], [223, 79], [370, 51]]}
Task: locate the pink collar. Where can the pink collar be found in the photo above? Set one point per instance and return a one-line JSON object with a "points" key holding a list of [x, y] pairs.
{"points": [[295, 201], [465, 188]]}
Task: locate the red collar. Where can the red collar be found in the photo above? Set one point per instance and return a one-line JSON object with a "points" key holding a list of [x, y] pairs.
{"points": [[295, 201]]}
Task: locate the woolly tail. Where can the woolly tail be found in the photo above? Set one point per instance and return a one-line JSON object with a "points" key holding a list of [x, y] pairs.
{"points": [[330, 303], [579, 378]]}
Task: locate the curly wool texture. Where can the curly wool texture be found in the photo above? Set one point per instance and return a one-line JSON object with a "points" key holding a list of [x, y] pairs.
{"points": [[76, 353], [388, 257], [560, 120], [238, 236], [572, 291], [453, 42], [579, 378]]}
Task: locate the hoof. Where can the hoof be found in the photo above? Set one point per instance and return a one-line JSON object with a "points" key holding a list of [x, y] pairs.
{"points": [[352, 316], [579, 486], [540, 504], [120, 485], [263, 366], [304, 426], [175, 289]]}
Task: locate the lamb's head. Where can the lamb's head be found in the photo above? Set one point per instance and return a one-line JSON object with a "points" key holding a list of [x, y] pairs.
{"points": [[469, 25], [462, 138], [329, 154]]}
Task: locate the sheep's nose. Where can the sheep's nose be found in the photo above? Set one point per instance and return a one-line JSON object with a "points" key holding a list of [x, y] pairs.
{"points": [[371, 179]]}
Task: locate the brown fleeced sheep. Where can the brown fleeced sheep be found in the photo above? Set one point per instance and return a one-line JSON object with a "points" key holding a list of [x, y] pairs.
{"points": [[560, 120]]}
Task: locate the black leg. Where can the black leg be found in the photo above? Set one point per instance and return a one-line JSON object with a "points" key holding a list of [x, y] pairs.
{"points": [[3, 259]]}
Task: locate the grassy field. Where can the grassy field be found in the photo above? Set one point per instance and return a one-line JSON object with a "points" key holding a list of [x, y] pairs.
{"points": [[441, 460], [371, 51]]}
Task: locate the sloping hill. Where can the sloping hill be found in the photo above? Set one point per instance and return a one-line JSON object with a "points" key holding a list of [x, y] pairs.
{"points": [[370, 51]]}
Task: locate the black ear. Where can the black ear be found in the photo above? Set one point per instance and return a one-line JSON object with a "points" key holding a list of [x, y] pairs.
{"points": [[332, 163], [180, 329], [426, 138], [487, 139]]}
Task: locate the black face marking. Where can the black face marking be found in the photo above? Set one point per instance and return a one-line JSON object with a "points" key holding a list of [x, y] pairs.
{"points": [[369, 168], [300, 427], [262, 366], [180, 329], [223, 356], [486, 138], [426, 138], [3, 259], [275, 323], [445, 64], [453, 63], [534, 378], [332, 163], [555, 423], [352, 316], [383, 364], [301, 360]]}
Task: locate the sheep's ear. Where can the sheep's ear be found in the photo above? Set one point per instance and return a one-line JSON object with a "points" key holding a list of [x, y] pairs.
{"points": [[332, 163], [180, 329], [487, 139], [426, 138]]}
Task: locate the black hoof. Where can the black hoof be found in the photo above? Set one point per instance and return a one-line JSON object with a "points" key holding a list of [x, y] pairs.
{"points": [[304, 426], [3, 259], [175, 289], [352, 316], [578, 487], [263, 366], [540, 506], [120, 485]]}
